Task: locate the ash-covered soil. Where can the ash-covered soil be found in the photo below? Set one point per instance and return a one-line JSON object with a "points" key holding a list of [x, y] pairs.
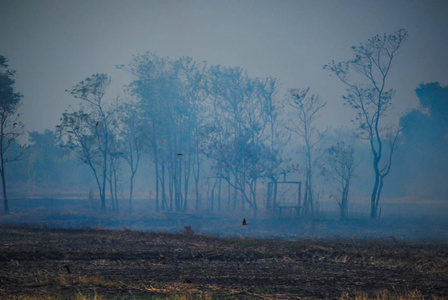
{"points": [[70, 263]]}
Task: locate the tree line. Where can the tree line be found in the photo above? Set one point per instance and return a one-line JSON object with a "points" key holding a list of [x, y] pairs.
{"points": [[213, 135]]}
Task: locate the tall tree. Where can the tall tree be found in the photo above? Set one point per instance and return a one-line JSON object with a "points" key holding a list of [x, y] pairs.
{"points": [[10, 126], [366, 78], [170, 95], [88, 131], [192, 77], [239, 131], [131, 143], [303, 124]]}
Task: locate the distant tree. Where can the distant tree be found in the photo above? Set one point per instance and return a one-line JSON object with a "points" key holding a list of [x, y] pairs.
{"points": [[131, 142], [115, 157], [425, 144], [10, 126], [169, 101], [342, 163], [366, 77], [242, 109], [88, 131], [45, 159], [193, 81], [303, 123], [189, 113], [151, 88]]}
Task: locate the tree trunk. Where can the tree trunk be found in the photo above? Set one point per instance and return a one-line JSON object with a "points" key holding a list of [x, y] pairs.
{"points": [[235, 192], [5, 198], [103, 196], [344, 201], [162, 182], [219, 193], [212, 196], [380, 188], [197, 194], [254, 198], [310, 194], [309, 185], [157, 185], [131, 188], [2, 173], [374, 196], [111, 193], [196, 174], [115, 189], [186, 185], [228, 195]]}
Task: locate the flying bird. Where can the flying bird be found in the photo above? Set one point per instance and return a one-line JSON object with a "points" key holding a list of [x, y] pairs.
{"points": [[179, 154], [97, 124], [244, 222]]}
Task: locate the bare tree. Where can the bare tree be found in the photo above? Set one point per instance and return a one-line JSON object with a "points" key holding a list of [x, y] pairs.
{"points": [[229, 100], [10, 126], [170, 95], [88, 130], [150, 89], [342, 162], [114, 157], [303, 124], [239, 132], [132, 137], [366, 78]]}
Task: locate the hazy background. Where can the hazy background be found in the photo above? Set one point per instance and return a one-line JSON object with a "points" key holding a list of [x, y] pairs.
{"points": [[55, 44]]}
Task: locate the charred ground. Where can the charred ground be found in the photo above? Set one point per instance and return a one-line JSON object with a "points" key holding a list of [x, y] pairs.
{"points": [[84, 262]]}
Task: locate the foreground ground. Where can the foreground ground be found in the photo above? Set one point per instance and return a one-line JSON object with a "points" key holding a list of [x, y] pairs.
{"points": [[78, 263]]}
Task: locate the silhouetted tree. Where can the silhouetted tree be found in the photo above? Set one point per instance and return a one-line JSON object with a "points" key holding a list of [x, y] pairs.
{"points": [[366, 79], [303, 123], [88, 130], [10, 126]]}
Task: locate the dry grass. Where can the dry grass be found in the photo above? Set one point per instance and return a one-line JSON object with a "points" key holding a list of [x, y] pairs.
{"points": [[57, 297], [67, 280], [46, 263], [80, 296], [385, 295]]}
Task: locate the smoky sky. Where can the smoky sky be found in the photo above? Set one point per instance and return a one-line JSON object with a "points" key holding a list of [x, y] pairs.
{"points": [[55, 44]]}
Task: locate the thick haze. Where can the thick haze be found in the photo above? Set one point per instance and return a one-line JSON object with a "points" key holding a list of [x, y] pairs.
{"points": [[55, 44]]}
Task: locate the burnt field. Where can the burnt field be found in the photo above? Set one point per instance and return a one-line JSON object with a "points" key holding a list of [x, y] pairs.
{"points": [[41, 262]]}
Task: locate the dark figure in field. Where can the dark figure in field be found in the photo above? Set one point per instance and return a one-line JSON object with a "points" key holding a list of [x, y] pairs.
{"points": [[68, 269], [244, 222]]}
